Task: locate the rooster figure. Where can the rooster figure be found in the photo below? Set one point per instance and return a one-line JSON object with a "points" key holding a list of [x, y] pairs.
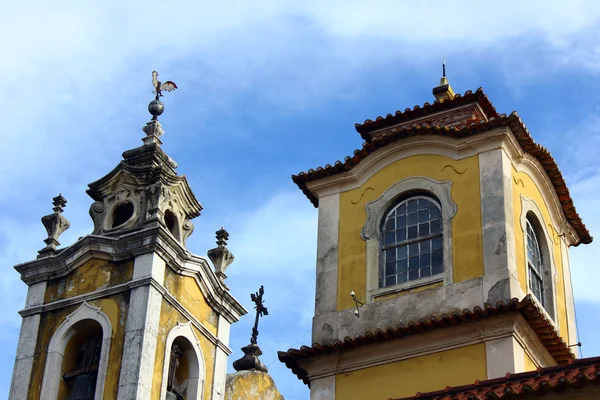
{"points": [[169, 86]]}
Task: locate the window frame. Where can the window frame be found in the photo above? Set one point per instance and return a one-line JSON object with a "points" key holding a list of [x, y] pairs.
{"points": [[383, 247], [59, 341], [530, 213], [378, 209]]}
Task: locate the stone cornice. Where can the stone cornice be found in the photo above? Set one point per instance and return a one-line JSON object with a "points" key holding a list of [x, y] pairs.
{"points": [[128, 246], [125, 287]]}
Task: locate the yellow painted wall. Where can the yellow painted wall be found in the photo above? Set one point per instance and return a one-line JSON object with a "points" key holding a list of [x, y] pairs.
{"points": [[92, 275], [186, 290], [115, 307], [420, 374], [529, 364], [467, 242], [524, 185], [169, 317]]}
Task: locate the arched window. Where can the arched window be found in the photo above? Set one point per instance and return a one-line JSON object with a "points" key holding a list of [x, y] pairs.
{"points": [[183, 369], [535, 264], [77, 357], [411, 241]]}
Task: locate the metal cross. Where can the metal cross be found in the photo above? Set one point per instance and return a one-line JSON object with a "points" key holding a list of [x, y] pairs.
{"points": [[261, 310]]}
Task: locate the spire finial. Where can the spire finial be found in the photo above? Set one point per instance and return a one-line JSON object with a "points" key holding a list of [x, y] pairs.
{"points": [[55, 225], [220, 255], [153, 129], [443, 91]]}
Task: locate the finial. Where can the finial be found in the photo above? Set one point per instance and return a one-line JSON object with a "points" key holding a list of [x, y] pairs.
{"points": [[153, 129], [55, 225], [220, 255], [250, 360], [443, 91]]}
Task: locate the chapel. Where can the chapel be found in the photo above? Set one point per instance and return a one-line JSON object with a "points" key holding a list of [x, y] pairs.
{"points": [[128, 312], [442, 262]]}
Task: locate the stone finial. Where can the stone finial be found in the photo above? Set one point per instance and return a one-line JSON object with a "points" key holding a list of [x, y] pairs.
{"points": [[153, 131], [55, 225], [220, 255], [250, 360]]}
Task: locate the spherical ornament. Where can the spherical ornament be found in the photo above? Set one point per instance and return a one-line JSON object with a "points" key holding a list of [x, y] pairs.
{"points": [[156, 107]]}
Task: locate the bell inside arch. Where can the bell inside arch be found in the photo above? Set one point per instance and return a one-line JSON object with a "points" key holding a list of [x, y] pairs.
{"points": [[84, 387]]}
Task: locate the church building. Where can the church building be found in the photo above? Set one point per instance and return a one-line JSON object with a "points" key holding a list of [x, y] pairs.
{"points": [[442, 262], [128, 312]]}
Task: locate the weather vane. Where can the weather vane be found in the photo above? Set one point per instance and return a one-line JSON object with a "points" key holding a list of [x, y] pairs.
{"points": [[156, 107], [261, 310]]}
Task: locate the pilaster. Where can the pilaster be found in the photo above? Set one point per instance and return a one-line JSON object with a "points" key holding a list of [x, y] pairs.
{"points": [[497, 211], [220, 368], [24, 359], [141, 330]]}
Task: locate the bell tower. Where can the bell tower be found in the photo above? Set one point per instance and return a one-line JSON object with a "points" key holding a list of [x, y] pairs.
{"points": [[442, 255], [127, 312]]}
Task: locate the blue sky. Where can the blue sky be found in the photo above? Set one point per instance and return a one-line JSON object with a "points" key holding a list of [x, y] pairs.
{"points": [[267, 90]]}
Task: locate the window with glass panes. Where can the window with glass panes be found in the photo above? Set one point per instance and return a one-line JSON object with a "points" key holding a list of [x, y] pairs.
{"points": [[411, 241], [534, 263]]}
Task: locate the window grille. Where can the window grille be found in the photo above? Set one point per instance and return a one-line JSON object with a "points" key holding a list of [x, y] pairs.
{"points": [[411, 241]]}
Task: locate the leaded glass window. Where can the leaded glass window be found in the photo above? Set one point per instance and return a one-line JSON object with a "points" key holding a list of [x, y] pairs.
{"points": [[534, 263], [411, 241]]}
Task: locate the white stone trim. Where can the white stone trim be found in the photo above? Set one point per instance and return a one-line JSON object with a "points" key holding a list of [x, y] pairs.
{"points": [[504, 355], [124, 287], [524, 162], [569, 299], [58, 343], [197, 367], [139, 349], [25, 358], [323, 388], [220, 365], [327, 254], [431, 342], [547, 247], [408, 147], [371, 231]]}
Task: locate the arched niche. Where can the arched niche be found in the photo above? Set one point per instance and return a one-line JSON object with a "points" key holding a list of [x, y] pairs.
{"points": [[87, 319], [192, 361]]}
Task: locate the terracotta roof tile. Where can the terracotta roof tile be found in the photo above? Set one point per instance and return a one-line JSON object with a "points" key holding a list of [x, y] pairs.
{"points": [[512, 121], [551, 379], [527, 307], [419, 112]]}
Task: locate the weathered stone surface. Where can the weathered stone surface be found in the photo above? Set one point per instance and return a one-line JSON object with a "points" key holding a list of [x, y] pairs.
{"points": [[248, 385]]}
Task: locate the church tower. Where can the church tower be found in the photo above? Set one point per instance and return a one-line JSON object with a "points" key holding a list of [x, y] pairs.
{"points": [[442, 255], [127, 312]]}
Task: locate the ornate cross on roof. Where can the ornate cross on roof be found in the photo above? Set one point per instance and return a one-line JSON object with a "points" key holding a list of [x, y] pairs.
{"points": [[261, 310]]}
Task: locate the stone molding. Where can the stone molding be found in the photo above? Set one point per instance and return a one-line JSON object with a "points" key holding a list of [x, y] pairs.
{"points": [[435, 341], [124, 287], [58, 343], [425, 144], [371, 232], [523, 162], [197, 369], [413, 346], [126, 247], [547, 248]]}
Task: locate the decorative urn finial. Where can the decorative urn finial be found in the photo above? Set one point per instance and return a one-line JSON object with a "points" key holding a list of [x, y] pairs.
{"points": [[250, 360], [220, 255], [154, 129], [55, 225]]}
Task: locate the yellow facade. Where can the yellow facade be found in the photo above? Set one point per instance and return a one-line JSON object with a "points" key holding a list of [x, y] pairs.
{"points": [[467, 243], [407, 377], [186, 291], [115, 308], [525, 186], [169, 317]]}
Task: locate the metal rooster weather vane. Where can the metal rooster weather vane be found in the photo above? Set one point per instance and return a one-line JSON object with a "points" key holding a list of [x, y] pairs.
{"points": [[169, 86], [261, 310]]}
